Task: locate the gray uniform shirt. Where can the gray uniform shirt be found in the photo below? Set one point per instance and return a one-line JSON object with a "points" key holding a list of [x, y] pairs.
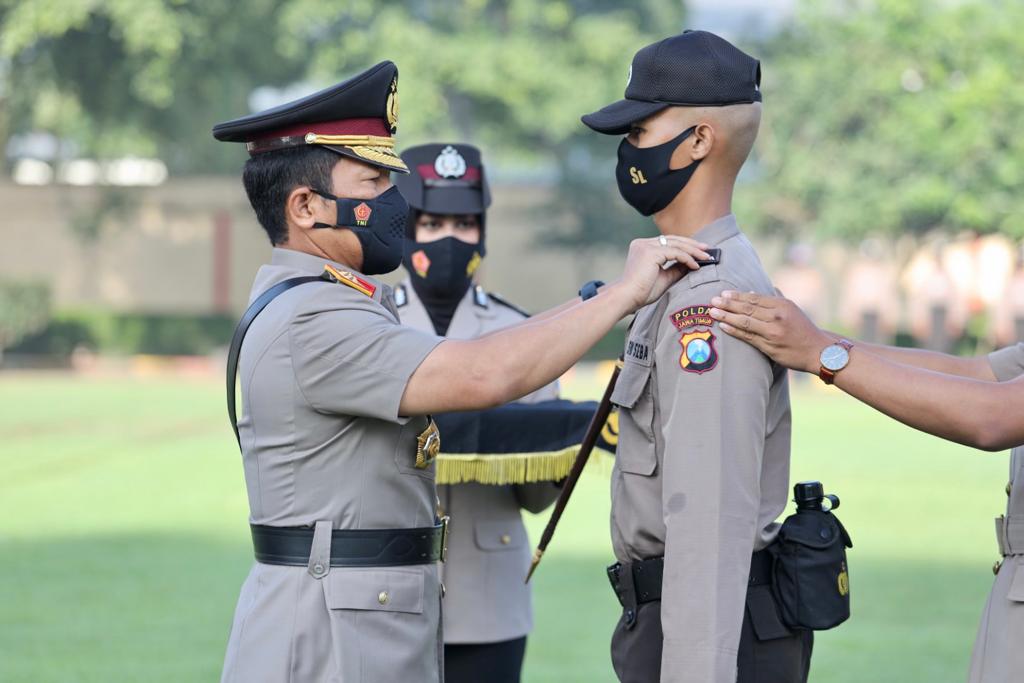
{"points": [[998, 656], [702, 465], [488, 550], [323, 369]]}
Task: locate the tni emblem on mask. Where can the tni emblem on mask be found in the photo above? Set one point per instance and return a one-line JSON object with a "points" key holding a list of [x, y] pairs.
{"points": [[362, 213], [421, 263], [699, 354], [637, 175]]}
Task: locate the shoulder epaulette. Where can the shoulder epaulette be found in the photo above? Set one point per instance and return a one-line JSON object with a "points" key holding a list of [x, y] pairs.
{"points": [[344, 277], [508, 304], [480, 297], [401, 296]]}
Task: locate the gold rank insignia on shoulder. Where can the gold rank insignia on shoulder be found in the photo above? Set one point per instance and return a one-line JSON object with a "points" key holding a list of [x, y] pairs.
{"points": [[428, 445], [346, 278]]}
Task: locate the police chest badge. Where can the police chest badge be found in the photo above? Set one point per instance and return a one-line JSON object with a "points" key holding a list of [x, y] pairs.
{"points": [[428, 445], [698, 341], [449, 163]]}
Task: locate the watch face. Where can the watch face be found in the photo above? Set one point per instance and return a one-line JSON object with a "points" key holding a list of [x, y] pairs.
{"points": [[834, 358]]}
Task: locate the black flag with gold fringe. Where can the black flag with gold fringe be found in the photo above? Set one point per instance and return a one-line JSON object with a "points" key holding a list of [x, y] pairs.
{"points": [[517, 443]]}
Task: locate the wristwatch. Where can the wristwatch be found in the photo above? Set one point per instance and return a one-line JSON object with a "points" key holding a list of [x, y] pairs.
{"points": [[834, 358], [589, 290]]}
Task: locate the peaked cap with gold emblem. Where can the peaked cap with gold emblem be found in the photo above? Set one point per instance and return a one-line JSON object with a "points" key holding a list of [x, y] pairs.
{"points": [[356, 118]]}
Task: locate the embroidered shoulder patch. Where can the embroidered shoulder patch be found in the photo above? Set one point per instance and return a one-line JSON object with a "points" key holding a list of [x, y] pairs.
{"points": [[698, 341], [699, 354], [692, 316]]}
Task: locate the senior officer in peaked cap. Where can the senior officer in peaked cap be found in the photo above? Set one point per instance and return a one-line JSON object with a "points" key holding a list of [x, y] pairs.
{"points": [[702, 465], [487, 610], [337, 448]]}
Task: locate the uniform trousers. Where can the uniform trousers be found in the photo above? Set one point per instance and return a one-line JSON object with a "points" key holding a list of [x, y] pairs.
{"points": [[500, 662], [636, 651]]}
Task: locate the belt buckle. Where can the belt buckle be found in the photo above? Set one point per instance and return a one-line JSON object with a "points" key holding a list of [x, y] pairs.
{"points": [[444, 538]]}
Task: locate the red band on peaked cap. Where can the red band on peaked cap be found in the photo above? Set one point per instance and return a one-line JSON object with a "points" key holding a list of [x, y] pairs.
{"points": [[367, 126], [427, 171]]}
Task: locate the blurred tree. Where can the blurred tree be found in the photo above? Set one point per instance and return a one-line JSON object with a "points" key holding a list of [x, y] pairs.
{"points": [[24, 309], [513, 76], [142, 77], [892, 116]]}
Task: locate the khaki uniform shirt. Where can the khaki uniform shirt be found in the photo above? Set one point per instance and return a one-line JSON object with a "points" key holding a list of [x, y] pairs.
{"points": [[486, 599], [999, 649], [702, 466], [323, 369]]}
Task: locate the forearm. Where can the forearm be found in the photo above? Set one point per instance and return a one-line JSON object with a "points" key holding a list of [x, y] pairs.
{"points": [[510, 363], [974, 367], [975, 413]]}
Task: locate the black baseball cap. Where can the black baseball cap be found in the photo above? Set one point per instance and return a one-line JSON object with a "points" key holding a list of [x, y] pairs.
{"points": [[692, 69]]}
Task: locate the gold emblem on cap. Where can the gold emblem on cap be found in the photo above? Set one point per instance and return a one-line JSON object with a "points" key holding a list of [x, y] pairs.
{"points": [[310, 138], [392, 106]]}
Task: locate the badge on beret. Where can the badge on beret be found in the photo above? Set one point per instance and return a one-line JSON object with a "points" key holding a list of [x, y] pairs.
{"points": [[449, 163], [629, 75], [699, 354], [392, 106], [421, 263]]}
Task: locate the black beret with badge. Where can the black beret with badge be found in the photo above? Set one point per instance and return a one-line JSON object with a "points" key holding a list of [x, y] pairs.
{"points": [[692, 69], [356, 118], [445, 179]]}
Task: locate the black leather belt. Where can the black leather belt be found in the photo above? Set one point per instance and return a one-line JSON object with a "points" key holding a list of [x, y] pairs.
{"points": [[352, 547], [638, 582]]}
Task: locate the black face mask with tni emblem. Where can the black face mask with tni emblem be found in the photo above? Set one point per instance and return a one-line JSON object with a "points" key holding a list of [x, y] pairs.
{"points": [[644, 176]]}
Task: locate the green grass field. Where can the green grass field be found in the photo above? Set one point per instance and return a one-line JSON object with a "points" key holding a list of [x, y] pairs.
{"points": [[123, 539]]}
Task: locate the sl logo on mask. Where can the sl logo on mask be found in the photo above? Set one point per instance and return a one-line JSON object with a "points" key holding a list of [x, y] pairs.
{"points": [[637, 175]]}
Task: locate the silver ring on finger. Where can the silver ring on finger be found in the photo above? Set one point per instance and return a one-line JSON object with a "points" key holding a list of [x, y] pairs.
{"points": [[662, 241]]}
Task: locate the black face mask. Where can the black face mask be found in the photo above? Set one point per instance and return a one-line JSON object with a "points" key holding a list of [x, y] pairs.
{"points": [[645, 180], [379, 223], [442, 269]]}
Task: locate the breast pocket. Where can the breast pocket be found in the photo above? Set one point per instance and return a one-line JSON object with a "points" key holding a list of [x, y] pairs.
{"points": [[634, 396]]}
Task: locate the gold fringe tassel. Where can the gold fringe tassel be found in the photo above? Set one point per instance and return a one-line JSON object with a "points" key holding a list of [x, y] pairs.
{"points": [[508, 468]]}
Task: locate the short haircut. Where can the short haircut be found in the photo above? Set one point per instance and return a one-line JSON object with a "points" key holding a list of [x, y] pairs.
{"points": [[271, 176]]}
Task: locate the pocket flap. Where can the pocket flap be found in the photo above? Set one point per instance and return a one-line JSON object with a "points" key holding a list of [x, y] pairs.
{"points": [[374, 588], [499, 535], [1016, 592], [630, 384], [812, 529]]}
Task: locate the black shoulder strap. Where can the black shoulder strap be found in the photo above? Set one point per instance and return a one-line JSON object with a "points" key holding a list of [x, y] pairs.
{"points": [[507, 304], [243, 326]]}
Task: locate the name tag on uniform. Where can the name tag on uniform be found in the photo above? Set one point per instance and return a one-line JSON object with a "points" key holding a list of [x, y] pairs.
{"points": [[639, 350]]}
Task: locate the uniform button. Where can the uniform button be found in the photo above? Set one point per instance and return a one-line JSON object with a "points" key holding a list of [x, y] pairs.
{"points": [[1009, 487], [505, 539], [318, 568], [444, 590], [996, 567], [383, 598]]}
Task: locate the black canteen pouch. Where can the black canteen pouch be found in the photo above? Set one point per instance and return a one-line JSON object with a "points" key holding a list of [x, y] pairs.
{"points": [[810, 577]]}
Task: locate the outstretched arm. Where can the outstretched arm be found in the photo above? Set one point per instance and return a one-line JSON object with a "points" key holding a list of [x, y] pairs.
{"points": [[965, 409], [508, 364]]}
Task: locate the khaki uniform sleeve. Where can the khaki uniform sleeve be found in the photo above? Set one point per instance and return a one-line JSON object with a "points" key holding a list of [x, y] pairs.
{"points": [[712, 392], [356, 360], [1007, 363]]}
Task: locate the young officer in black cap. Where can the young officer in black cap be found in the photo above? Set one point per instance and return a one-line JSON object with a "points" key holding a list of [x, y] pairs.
{"points": [[336, 446], [487, 610], [702, 466]]}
